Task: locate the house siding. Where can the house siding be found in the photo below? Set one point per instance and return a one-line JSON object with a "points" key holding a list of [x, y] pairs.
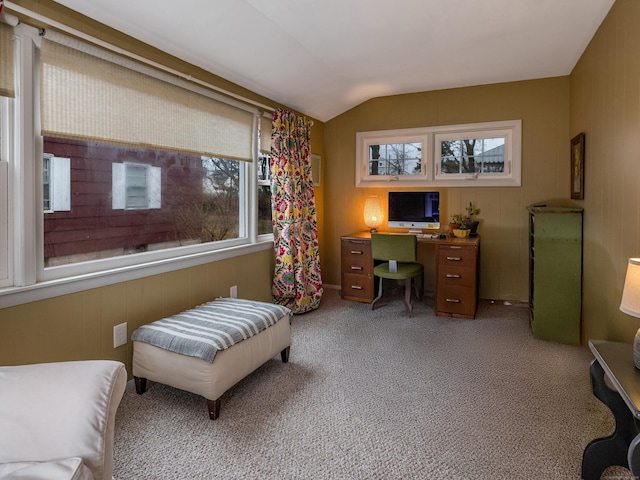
{"points": [[92, 225]]}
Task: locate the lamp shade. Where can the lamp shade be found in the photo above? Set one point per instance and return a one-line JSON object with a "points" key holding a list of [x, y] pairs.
{"points": [[630, 303], [373, 212]]}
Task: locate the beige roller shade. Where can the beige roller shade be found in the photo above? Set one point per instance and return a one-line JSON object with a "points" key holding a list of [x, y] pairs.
{"points": [[84, 97], [6, 61]]}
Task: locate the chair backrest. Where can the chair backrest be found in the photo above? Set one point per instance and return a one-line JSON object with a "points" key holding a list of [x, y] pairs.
{"points": [[391, 246]]}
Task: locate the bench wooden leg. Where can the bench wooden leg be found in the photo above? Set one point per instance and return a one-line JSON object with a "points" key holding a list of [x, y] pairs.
{"points": [[214, 408], [284, 354], [141, 385]]}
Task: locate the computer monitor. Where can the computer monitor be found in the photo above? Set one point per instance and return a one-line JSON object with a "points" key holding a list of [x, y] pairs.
{"points": [[414, 210]]}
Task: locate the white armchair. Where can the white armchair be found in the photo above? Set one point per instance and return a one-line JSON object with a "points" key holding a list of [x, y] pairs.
{"points": [[57, 419]]}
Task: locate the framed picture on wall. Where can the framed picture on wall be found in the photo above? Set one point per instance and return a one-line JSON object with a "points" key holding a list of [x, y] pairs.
{"points": [[577, 167]]}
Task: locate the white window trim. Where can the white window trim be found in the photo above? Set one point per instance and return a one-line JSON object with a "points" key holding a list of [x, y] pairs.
{"points": [[430, 137], [4, 223], [382, 137], [6, 152]]}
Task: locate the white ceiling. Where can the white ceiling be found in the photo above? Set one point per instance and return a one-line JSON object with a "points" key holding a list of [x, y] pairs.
{"points": [[323, 57]]}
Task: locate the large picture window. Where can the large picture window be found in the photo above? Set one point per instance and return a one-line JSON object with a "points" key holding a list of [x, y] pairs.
{"points": [[159, 181], [156, 164], [470, 155]]}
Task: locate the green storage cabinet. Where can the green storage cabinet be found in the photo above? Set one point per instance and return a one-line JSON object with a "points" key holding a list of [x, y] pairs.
{"points": [[555, 273]]}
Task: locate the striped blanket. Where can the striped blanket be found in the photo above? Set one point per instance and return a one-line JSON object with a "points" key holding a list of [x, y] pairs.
{"points": [[204, 330]]}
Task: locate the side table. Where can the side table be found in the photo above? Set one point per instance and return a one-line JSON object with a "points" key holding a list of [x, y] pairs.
{"points": [[615, 360]]}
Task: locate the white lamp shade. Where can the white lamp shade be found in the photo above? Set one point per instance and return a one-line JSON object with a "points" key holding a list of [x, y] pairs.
{"points": [[373, 214], [630, 303]]}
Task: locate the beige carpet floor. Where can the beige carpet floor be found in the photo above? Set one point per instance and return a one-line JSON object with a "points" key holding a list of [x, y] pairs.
{"points": [[377, 395]]}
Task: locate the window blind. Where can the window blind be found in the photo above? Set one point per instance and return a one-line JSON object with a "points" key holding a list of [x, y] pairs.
{"points": [[85, 97], [6, 61], [265, 134]]}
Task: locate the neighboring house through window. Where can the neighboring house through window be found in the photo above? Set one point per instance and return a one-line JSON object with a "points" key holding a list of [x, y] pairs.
{"points": [[135, 186], [56, 184]]}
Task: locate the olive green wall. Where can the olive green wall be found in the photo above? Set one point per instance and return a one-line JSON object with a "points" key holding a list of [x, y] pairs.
{"points": [[79, 326], [605, 105], [543, 107]]}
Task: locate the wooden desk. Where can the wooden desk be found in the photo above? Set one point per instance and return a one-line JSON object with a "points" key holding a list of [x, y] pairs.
{"points": [[623, 447], [456, 265]]}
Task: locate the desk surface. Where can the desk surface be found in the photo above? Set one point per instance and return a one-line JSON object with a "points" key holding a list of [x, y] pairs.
{"points": [[616, 360], [425, 239]]}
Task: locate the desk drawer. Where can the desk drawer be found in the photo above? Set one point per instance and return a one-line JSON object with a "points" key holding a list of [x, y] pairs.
{"points": [[356, 248], [456, 300], [457, 276], [462, 256], [358, 264], [357, 287]]}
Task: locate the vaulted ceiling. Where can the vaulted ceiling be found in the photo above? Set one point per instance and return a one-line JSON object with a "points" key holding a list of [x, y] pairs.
{"points": [[323, 57]]}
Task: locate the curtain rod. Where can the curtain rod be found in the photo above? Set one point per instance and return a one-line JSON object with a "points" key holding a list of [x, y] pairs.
{"points": [[65, 28]]}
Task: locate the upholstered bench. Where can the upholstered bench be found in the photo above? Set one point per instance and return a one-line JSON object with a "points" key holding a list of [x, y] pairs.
{"points": [[208, 349]]}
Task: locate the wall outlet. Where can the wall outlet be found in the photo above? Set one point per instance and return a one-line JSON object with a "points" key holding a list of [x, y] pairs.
{"points": [[120, 335], [233, 291]]}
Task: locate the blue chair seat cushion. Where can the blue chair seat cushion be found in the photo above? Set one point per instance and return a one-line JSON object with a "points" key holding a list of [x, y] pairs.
{"points": [[405, 270]]}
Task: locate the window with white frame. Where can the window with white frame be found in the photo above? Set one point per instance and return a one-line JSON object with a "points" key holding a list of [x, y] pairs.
{"points": [[264, 195], [136, 186], [480, 154], [185, 192], [265, 226], [56, 184], [168, 194]]}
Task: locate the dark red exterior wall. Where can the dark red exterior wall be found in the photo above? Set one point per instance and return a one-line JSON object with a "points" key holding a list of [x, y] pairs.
{"points": [[92, 224]]}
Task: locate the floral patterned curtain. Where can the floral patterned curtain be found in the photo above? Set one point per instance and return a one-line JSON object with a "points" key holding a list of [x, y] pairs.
{"points": [[297, 282]]}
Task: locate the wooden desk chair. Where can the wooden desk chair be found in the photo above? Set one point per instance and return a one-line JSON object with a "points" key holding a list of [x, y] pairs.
{"points": [[398, 254]]}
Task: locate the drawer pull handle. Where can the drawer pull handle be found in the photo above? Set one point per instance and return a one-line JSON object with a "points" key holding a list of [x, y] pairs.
{"points": [[356, 268], [455, 259], [455, 247], [453, 275], [356, 252], [356, 287], [359, 242], [453, 300]]}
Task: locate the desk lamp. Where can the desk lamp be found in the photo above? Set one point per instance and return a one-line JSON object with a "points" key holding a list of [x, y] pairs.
{"points": [[630, 303], [373, 212]]}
